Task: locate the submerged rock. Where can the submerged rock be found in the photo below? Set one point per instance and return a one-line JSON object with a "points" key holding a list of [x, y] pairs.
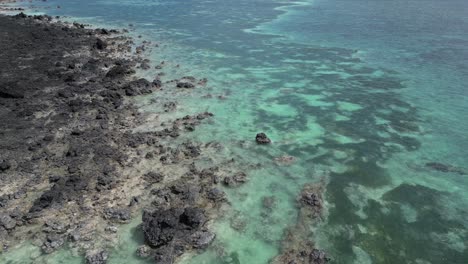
{"points": [[235, 180], [186, 85], [445, 168], [262, 138], [285, 160], [143, 251], [97, 258], [297, 246], [216, 194], [269, 202], [52, 243]]}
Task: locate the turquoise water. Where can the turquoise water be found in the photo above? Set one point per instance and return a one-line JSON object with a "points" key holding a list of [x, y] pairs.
{"points": [[362, 93]]}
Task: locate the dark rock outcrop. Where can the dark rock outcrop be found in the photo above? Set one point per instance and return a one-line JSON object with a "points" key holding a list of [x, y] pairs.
{"points": [[262, 138]]}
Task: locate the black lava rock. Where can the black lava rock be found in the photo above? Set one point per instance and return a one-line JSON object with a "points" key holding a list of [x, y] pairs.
{"points": [[262, 138], [100, 44]]}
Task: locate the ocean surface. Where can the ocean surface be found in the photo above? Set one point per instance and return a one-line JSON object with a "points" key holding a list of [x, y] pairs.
{"points": [[362, 93]]}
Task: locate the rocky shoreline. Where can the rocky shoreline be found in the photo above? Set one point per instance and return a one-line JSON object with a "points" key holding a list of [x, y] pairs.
{"points": [[72, 166], [75, 164]]}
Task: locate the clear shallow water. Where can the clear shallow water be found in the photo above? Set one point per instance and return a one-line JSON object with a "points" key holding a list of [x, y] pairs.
{"points": [[362, 93]]}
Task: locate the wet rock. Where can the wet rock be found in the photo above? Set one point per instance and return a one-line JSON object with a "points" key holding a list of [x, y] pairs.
{"points": [[159, 228], [163, 226], [143, 251], [169, 106], [318, 257], [157, 83], [145, 66], [262, 138], [74, 236], [119, 71], [312, 200], [52, 243], [296, 245], [202, 239], [138, 87], [190, 150], [216, 194], [97, 258], [20, 16], [236, 180], [165, 255], [117, 214], [112, 229], [102, 31], [185, 85], [6, 221], [193, 217]]}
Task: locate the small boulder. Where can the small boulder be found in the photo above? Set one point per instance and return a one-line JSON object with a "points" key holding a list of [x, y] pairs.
{"points": [[262, 138], [52, 243], [143, 251], [318, 257]]}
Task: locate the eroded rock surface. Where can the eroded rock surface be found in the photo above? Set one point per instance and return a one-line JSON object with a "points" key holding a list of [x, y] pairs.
{"points": [[297, 245]]}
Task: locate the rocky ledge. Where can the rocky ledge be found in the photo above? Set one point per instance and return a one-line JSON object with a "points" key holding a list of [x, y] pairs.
{"points": [[297, 245]]}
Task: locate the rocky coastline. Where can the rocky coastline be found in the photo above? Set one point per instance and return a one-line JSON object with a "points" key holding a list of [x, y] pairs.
{"points": [[72, 166]]}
